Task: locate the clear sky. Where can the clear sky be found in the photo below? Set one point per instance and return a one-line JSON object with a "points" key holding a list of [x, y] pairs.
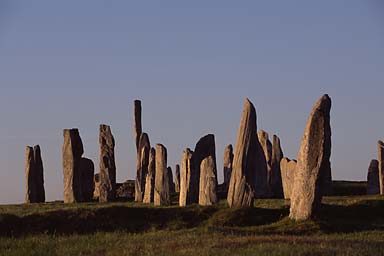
{"points": [[73, 63]]}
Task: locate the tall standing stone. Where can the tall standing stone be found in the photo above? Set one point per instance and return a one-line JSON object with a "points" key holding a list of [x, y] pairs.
{"points": [[72, 152], [87, 178], [189, 185], [170, 180], [150, 179], [107, 165], [137, 122], [249, 166], [161, 193], [177, 179], [208, 182], [34, 174], [275, 182], [266, 145], [373, 184], [380, 146], [142, 166], [228, 159], [287, 168], [313, 162]]}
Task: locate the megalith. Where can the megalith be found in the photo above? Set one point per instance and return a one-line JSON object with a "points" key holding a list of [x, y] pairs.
{"points": [[87, 178], [170, 180], [208, 182], [380, 146], [287, 168], [189, 183], [177, 178], [150, 178], [34, 172], [161, 193], [373, 184], [313, 162], [137, 122], [275, 183], [227, 169], [107, 165], [142, 166]]}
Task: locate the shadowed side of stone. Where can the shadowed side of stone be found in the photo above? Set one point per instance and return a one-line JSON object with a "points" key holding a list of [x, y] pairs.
{"points": [[150, 179], [177, 178], [188, 179], [107, 165], [142, 166], [373, 184], [227, 169], [380, 152], [275, 182]]}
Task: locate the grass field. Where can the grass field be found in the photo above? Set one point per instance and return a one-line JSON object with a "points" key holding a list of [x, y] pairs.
{"points": [[346, 225]]}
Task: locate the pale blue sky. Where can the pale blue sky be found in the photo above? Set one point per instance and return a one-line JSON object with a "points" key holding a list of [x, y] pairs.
{"points": [[70, 63]]}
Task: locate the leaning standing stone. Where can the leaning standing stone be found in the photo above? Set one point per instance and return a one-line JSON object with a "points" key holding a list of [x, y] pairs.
{"points": [[228, 159], [107, 165], [208, 182], [72, 152], [177, 179], [249, 168], [287, 175], [373, 184], [161, 193], [150, 179], [380, 146], [188, 186], [313, 162]]}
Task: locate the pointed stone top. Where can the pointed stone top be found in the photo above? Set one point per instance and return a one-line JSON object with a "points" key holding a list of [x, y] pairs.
{"points": [[249, 105], [323, 104], [137, 102], [380, 143]]}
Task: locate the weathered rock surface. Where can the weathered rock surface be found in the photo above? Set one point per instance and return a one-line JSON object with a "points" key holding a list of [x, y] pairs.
{"points": [[72, 152], [380, 152], [275, 182], [266, 145], [373, 184], [161, 193], [177, 178], [107, 165], [170, 180], [249, 165], [313, 162], [188, 182], [87, 175], [125, 191], [150, 179], [142, 166], [34, 173], [137, 122], [204, 148], [287, 175], [228, 159], [208, 182]]}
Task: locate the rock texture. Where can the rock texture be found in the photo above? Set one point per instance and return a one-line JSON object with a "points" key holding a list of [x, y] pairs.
{"points": [[177, 179], [72, 152], [373, 184], [208, 182], [161, 193], [249, 166], [150, 179], [188, 182], [313, 162], [107, 165], [266, 145], [34, 173], [228, 159], [205, 148], [137, 122], [87, 175], [287, 175], [170, 180], [275, 183], [380, 146], [142, 166]]}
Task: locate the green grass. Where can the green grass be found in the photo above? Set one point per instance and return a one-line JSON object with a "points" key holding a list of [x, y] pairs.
{"points": [[346, 225]]}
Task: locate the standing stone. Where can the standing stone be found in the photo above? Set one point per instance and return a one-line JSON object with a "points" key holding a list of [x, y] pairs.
{"points": [[87, 175], [142, 166], [204, 148], [228, 159], [380, 146], [177, 179], [39, 175], [208, 182], [188, 183], [267, 149], [249, 165], [275, 175], [96, 182], [107, 165], [150, 179], [161, 193], [313, 162], [287, 168], [72, 152], [137, 122], [170, 180], [34, 174], [373, 184]]}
